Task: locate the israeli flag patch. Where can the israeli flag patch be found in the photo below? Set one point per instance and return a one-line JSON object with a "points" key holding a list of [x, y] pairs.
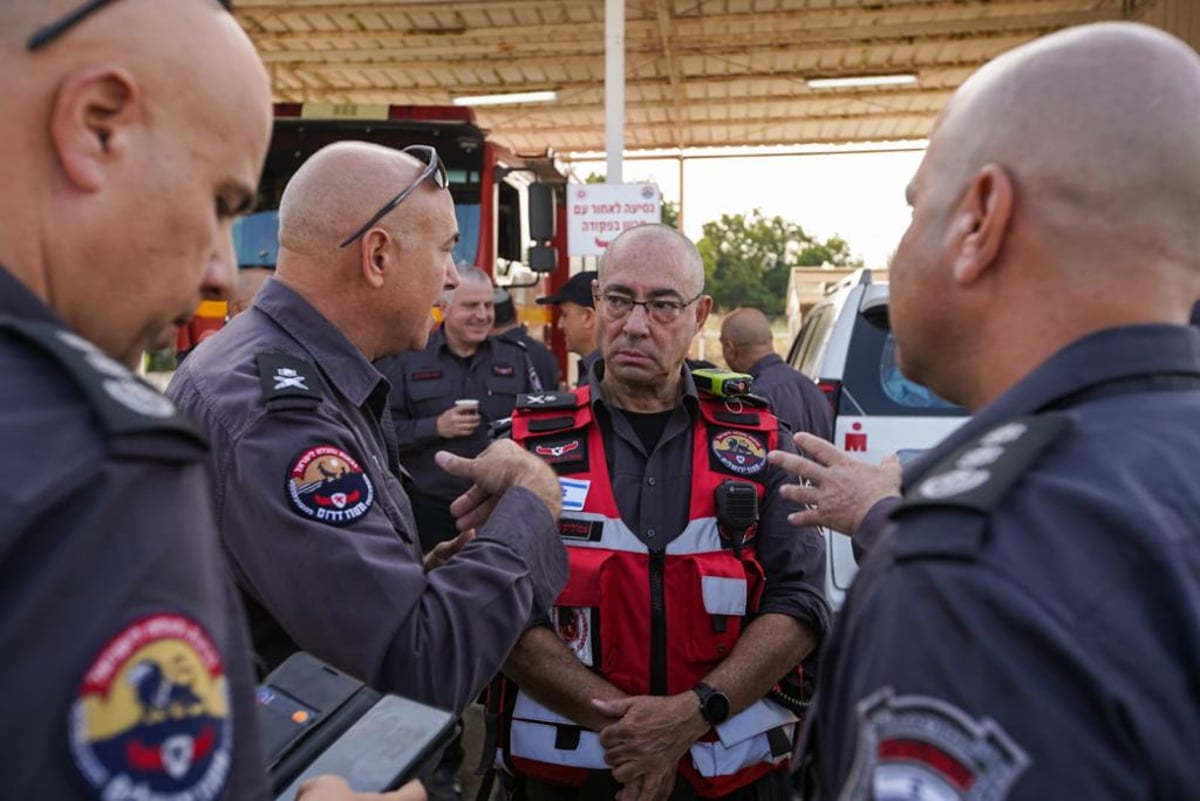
{"points": [[574, 493]]}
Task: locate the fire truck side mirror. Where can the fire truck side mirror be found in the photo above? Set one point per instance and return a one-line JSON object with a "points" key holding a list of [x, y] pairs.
{"points": [[542, 219], [543, 258]]}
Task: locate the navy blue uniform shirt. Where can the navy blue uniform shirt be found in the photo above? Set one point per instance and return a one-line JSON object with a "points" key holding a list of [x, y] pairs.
{"points": [[1031, 622], [318, 527], [794, 397], [426, 383], [543, 361], [127, 669]]}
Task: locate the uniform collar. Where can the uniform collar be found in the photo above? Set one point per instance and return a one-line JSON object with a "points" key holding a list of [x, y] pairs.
{"points": [[338, 357], [596, 373], [769, 360], [1097, 358], [17, 301]]}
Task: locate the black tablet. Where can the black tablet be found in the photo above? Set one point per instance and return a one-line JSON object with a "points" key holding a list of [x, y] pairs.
{"points": [[317, 720]]}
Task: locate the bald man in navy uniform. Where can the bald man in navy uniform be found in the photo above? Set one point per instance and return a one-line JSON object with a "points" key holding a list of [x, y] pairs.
{"points": [[128, 671], [313, 516], [1026, 627]]}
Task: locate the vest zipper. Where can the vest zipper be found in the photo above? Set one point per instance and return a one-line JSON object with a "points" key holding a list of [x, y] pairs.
{"points": [[658, 625]]}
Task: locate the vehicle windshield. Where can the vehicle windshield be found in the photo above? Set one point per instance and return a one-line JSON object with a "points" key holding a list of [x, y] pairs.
{"points": [[900, 389]]}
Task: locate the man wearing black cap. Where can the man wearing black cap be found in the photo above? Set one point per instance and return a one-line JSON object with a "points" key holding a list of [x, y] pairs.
{"points": [[506, 326], [577, 318]]}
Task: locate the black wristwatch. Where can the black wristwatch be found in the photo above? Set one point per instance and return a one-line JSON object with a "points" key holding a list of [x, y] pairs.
{"points": [[714, 704]]}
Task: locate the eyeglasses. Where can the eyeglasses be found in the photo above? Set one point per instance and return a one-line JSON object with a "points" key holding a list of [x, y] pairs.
{"points": [[48, 33], [664, 312], [433, 170]]}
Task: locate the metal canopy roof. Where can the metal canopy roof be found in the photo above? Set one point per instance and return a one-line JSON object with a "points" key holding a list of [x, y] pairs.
{"points": [[699, 73]]}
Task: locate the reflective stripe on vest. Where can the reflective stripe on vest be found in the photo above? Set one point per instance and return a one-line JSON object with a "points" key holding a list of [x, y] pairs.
{"points": [[742, 742]]}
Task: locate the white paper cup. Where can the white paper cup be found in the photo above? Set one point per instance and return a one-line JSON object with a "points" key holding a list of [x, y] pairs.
{"points": [[470, 404]]}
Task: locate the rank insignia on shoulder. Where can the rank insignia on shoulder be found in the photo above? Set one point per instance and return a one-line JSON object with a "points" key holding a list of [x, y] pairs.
{"points": [[916, 741], [547, 400], [124, 403], [151, 715], [978, 475], [284, 376]]}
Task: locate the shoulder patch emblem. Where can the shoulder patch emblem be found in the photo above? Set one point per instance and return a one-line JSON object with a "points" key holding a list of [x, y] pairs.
{"points": [[326, 484], [151, 717], [914, 746], [740, 452]]}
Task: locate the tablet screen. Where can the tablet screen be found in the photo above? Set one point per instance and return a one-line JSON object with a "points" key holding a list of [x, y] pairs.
{"points": [[383, 749]]}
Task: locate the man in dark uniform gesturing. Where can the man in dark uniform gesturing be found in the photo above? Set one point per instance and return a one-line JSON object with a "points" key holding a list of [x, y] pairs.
{"points": [[122, 178], [317, 527], [1030, 625], [690, 596]]}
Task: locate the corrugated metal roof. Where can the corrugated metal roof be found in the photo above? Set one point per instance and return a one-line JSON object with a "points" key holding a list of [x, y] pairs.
{"points": [[699, 73]]}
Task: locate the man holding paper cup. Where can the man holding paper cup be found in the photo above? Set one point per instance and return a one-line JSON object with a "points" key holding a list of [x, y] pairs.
{"points": [[445, 396]]}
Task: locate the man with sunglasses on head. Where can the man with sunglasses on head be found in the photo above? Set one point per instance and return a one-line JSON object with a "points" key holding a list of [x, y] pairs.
{"points": [[690, 596], [309, 498]]}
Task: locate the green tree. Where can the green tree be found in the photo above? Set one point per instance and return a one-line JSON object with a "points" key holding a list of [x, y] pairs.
{"points": [[748, 259], [670, 213]]}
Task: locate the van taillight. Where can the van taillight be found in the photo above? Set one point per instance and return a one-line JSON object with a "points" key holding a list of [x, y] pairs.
{"points": [[831, 389]]}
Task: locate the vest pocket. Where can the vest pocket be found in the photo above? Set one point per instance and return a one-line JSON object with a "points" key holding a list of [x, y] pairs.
{"points": [[576, 613], [715, 584]]}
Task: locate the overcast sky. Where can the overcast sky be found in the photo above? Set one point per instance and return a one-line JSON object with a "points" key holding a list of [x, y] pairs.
{"points": [[858, 196]]}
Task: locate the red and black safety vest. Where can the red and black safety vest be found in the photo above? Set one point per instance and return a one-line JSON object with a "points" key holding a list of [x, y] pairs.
{"points": [[651, 623]]}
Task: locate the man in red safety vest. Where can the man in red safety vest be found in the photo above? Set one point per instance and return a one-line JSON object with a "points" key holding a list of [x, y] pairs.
{"points": [[690, 595]]}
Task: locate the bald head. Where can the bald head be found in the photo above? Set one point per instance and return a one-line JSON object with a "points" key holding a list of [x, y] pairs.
{"points": [[378, 288], [1097, 126], [745, 338], [658, 241], [747, 327], [337, 190], [116, 157], [1057, 198]]}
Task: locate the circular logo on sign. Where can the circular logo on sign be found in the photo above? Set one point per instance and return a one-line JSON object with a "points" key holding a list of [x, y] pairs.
{"points": [[151, 718], [326, 484], [740, 452]]}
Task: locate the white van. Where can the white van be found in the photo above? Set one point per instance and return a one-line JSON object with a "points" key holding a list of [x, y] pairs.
{"points": [[845, 344]]}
